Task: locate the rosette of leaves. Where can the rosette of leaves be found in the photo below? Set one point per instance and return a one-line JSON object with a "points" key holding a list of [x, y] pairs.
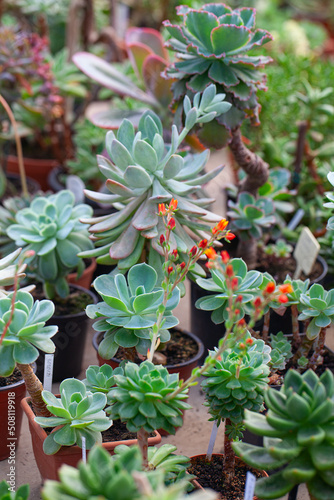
{"points": [[51, 227], [101, 378], [316, 305], [143, 172], [26, 331], [212, 45], [235, 382], [129, 310], [280, 351], [248, 283], [6, 493], [298, 437], [143, 398], [119, 477], [78, 412]]}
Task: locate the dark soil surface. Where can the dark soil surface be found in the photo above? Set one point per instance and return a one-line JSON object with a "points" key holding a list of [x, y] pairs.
{"points": [[119, 432], [12, 379], [178, 349], [75, 303], [210, 475]]}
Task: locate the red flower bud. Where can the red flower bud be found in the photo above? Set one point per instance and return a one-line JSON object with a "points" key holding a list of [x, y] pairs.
{"points": [[283, 299], [236, 311], [249, 341], [230, 236], [225, 256], [182, 265], [171, 223], [203, 243], [162, 239], [257, 302], [229, 271], [174, 253], [234, 283], [286, 288], [242, 345], [239, 298], [193, 251], [170, 269], [270, 288], [241, 322]]}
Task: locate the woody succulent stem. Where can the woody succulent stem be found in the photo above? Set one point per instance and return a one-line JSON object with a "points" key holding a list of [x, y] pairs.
{"points": [[248, 250], [34, 387], [295, 326], [142, 437], [229, 455], [256, 169], [318, 350], [265, 331]]}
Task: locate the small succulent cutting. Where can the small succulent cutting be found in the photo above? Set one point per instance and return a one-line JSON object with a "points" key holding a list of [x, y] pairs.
{"points": [[23, 330], [78, 412], [101, 378], [143, 172], [51, 227], [280, 351], [129, 310], [298, 435]]}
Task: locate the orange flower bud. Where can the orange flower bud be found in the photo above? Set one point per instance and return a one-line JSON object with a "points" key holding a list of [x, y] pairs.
{"points": [[225, 256], [286, 288], [241, 322], [222, 224], [173, 204], [162, 209], [234, 283], [170, 269], [283, 299], [182, 265], [230, 236], [242, 345], [270, 288], [174, 253], [229, 271], [236, 311], [249, 341], [210, 253], [239, 298]]}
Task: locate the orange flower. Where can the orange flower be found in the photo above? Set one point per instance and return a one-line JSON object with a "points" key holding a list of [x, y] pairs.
{"points": [[229, 271], [225, 256], [210, 253], [162, 209], [222, 224], [173, 204], [270, 288], [286, 288], [249, 341]]}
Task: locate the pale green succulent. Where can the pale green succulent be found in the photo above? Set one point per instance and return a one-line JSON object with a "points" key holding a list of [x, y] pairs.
{"points": [[8, 270], [280, 351], [6, 492], [78, 412], [26, 332], [316, 305], [144, 171], [51, 227], [100, 378], [129, 310]]}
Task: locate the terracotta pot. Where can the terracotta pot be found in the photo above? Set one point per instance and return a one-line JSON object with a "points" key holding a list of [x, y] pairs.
{"points": [[37, 169], [86, 279], [238, 462], [10, 395], [48, 465], [184, 369]]}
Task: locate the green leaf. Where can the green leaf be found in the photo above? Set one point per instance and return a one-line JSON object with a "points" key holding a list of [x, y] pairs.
{"points": [[309, 436], [173, 166], [142, 275], [300, 470], [145, 155], [137, 177], [322, 456], [274, 486], [126, 338]]}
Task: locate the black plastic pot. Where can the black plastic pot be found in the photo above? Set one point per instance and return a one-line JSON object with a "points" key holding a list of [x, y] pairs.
{"points": [[70, 343], [15, 180]]}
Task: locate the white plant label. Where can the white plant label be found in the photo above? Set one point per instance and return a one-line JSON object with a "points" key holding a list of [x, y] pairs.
{"points": [[212, 440], [48, 372], [306, 252], [84, 452], [249, 486]]}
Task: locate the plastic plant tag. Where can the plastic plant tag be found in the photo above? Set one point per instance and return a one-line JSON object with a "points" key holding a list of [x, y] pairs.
{"points": [[48, 372], [249, 486], [212, 440], [84, 452], [306, 252]]}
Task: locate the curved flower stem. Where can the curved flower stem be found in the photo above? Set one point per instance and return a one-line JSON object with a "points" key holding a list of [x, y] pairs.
{"points": [[18, 146]]}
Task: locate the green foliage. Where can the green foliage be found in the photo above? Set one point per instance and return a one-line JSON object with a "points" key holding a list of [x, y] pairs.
{"points": [[317, 304], [280, 351], [51, 227], [143, 172], [249, 215], [212, 44], [144, 398], [27, 331], [248, 285], [8, 270], [279, 249], [129, 310], [237, 382], [100, 378], [78, 412], [6, 493], [298, 435]]}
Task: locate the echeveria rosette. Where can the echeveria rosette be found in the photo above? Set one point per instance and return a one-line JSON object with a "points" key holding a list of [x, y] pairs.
{"points": [[129, 310], [100, 378], [236, 381], [281, 351], [143, 398], [298, 432], [27, 331], [316, 305], [6, 492], [211, 46], [248, 283], [142, 172], [51, 227], [78, 412]]}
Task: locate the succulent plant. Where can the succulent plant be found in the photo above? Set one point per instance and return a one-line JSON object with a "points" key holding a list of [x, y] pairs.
{"points": [[144, 172], [100, 378], [280, 351], [278, 249], [248, 285], [78, 412], [8, 270], [7, 493], [235, 382], [118, 477], [318, 304], [129, 310], [51, 227], [212, 44], [26, 332], [143, 398], [298, 437]]}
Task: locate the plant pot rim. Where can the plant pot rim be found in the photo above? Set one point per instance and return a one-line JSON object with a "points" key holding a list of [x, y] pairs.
{"points": [[37, 161], [89, 269], [81, 313], [75, 449], [97, 339], [19, 382]]}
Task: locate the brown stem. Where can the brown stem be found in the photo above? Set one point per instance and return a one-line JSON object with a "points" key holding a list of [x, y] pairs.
{"points": [[295, 327], [248, 251], [318, 351], [266, 323], [302, 130], [304, 348], [142, 437], [256, 169], [34, 387], [312, 167], [229, 455]]}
